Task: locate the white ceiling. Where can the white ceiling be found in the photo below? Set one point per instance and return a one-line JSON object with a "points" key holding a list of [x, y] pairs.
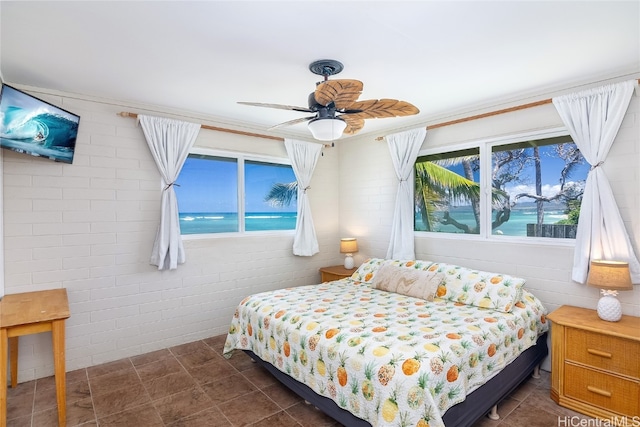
{"points": [[445, 57]]}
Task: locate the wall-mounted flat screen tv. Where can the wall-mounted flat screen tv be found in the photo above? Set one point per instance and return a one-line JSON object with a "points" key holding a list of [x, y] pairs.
{"points": [[32, 126]]}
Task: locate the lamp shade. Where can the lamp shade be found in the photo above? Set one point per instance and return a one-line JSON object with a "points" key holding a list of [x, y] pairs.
{"points": [[348, 245], [327, 129], [610, 275]]}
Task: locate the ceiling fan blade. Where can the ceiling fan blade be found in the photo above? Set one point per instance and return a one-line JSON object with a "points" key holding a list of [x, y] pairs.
{"points": [[354, 124], [381, 108], [292, 122], [341, 92], [278, 106], [349, 111]]}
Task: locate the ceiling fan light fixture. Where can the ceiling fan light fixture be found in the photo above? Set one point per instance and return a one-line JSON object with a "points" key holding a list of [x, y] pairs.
{"points": [[327, 129]]}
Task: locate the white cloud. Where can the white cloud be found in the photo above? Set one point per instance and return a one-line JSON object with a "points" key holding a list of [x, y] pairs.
{"points": [[547, 190]]}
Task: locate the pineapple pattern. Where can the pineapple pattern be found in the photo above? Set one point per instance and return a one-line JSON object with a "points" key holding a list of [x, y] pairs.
{"points": [[482, 289], [388, 358]]}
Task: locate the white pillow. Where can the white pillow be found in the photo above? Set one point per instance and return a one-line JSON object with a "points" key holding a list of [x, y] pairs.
{"points": [[407, 281]]}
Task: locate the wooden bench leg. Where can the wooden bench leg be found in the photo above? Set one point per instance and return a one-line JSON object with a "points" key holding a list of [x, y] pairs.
{"points": [[57, 335], [13, 357], [3, 377]]}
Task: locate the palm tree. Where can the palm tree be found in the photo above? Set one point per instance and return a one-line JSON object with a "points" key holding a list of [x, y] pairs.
{"points": [[437, 187], [282, 195]]}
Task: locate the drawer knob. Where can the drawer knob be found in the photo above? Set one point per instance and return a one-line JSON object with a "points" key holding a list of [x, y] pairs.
{"points": [[599, 391], [599, 353]]}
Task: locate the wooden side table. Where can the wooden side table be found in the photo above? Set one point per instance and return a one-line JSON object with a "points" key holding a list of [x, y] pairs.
{"points": [[32, 313], [335, 272], [595, 368]]}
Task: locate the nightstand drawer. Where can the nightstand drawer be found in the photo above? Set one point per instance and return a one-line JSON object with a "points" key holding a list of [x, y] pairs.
{"points": [[330, 277], [599, 389], [605, 352], [335, 272]]}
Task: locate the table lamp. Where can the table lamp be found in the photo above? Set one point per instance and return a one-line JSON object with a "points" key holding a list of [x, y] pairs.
{"points": [[610, 277], [348, 246]]}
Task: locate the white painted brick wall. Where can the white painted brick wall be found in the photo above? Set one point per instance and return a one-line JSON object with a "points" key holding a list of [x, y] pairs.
{"points": [[89, 227]]}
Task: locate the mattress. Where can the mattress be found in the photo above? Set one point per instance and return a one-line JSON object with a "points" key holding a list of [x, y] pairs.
{"points": [[387, 358]]}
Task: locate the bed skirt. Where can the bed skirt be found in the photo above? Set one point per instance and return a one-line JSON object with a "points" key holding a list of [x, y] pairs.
{"points": [[464, 414]]}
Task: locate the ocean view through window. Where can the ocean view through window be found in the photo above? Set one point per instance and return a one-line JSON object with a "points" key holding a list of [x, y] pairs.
{"points": [[529, 187], [233, 194]]}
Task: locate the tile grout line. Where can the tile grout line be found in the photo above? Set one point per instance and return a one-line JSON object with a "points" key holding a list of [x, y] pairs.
{"points": [[232, 367], [135, 368], [124, 410], [191, 376], [93, 405], [33, 404]]}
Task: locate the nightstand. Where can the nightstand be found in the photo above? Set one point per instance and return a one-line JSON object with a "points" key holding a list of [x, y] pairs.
{"points": [[335, 272], [595, 368]]}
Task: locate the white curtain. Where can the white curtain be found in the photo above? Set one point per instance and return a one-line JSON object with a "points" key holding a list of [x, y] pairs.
{"points": [[593, 118], [304, 156], [169, 141], [404, 147]]}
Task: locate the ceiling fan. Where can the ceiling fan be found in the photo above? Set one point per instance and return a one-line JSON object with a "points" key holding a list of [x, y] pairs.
{"points": [[335, 106]]}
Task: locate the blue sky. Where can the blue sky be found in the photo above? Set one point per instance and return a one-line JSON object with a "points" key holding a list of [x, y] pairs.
{"points": [[207, 187], [204, 188], [551, 167]]}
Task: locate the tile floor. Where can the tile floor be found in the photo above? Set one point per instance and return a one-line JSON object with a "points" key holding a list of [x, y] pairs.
{"points": [[193, 385]]}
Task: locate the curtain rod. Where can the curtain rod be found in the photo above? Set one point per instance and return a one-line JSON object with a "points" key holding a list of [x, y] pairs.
{"points": [[484, 115], [237, 132], [490, 113]]}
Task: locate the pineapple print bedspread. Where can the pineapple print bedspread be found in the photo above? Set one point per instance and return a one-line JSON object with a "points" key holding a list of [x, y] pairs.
{"points": [[389, 359]]}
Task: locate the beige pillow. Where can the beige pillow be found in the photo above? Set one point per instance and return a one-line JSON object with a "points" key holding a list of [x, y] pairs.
{"points": [[407, 281]]}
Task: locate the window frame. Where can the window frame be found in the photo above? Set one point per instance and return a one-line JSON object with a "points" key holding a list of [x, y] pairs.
{"points": [[485, 146], [240, 158]]}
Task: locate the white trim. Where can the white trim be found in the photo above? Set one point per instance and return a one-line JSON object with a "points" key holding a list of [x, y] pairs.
{"points": [[485, 196], [240, 155], [448, 148], [246, 234], [241, 196], [497, 140], [514, 139], [493, 238]]}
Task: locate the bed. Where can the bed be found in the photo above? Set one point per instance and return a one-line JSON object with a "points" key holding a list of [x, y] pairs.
{"points": [[398, 343]]}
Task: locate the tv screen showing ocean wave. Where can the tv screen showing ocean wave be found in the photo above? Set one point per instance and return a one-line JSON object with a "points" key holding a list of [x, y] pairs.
{"points": [[227, 222]]}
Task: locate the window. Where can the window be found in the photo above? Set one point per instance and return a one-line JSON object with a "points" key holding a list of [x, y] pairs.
{"points": [[271, 190], [226, 193], [448, 192], [530, 187]]}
